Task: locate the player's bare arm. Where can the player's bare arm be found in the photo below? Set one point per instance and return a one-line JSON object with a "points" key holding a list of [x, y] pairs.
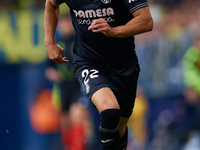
{"points": [[54, 51], [142, 22]]}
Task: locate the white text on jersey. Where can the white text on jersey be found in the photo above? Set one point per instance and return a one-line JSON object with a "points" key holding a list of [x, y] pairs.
{"points": [[94, 13]]}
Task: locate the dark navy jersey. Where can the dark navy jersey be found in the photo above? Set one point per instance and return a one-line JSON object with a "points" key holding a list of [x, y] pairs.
{"points": [[97, 47]]}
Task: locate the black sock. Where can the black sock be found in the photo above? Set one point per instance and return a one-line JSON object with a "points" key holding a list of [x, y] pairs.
{"points": [[124, 140], [109, 131]]}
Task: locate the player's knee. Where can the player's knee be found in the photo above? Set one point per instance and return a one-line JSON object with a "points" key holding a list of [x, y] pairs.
{"points": [[110, 118]]}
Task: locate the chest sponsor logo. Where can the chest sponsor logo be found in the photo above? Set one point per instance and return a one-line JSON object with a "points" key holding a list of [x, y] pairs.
{"points": [[106, 1], [87, 16]]}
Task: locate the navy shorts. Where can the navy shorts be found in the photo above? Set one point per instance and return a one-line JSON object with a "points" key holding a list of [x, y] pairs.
{"points": [[94, 77]]}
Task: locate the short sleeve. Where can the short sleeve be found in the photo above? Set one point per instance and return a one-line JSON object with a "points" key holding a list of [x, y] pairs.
{"points": [[133, 5], [58, 1]]}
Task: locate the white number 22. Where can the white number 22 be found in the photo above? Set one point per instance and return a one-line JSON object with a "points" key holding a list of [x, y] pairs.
{"points": [[85, 73]]}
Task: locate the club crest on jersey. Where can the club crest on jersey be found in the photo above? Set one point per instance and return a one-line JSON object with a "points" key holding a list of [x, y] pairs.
{"points": [[106, 1]]}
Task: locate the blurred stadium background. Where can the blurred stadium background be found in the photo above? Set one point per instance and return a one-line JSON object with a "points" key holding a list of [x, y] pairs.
{"points": [[166, 116]]}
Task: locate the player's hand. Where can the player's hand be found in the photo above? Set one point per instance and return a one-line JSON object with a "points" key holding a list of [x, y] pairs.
{"points": [[56, 53], [101, 25]]}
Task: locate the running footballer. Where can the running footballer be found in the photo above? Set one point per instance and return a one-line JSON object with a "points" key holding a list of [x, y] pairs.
{"points": [[104, 57]]}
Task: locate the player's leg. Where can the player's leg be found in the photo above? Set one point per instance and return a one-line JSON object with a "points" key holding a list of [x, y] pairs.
{"points": [[104, 98], [123, 132], [127, 88], [108, 107]]}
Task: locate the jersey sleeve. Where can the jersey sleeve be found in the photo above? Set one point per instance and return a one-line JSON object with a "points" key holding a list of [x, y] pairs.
{"points": [[133, 5], [58, 1]]}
